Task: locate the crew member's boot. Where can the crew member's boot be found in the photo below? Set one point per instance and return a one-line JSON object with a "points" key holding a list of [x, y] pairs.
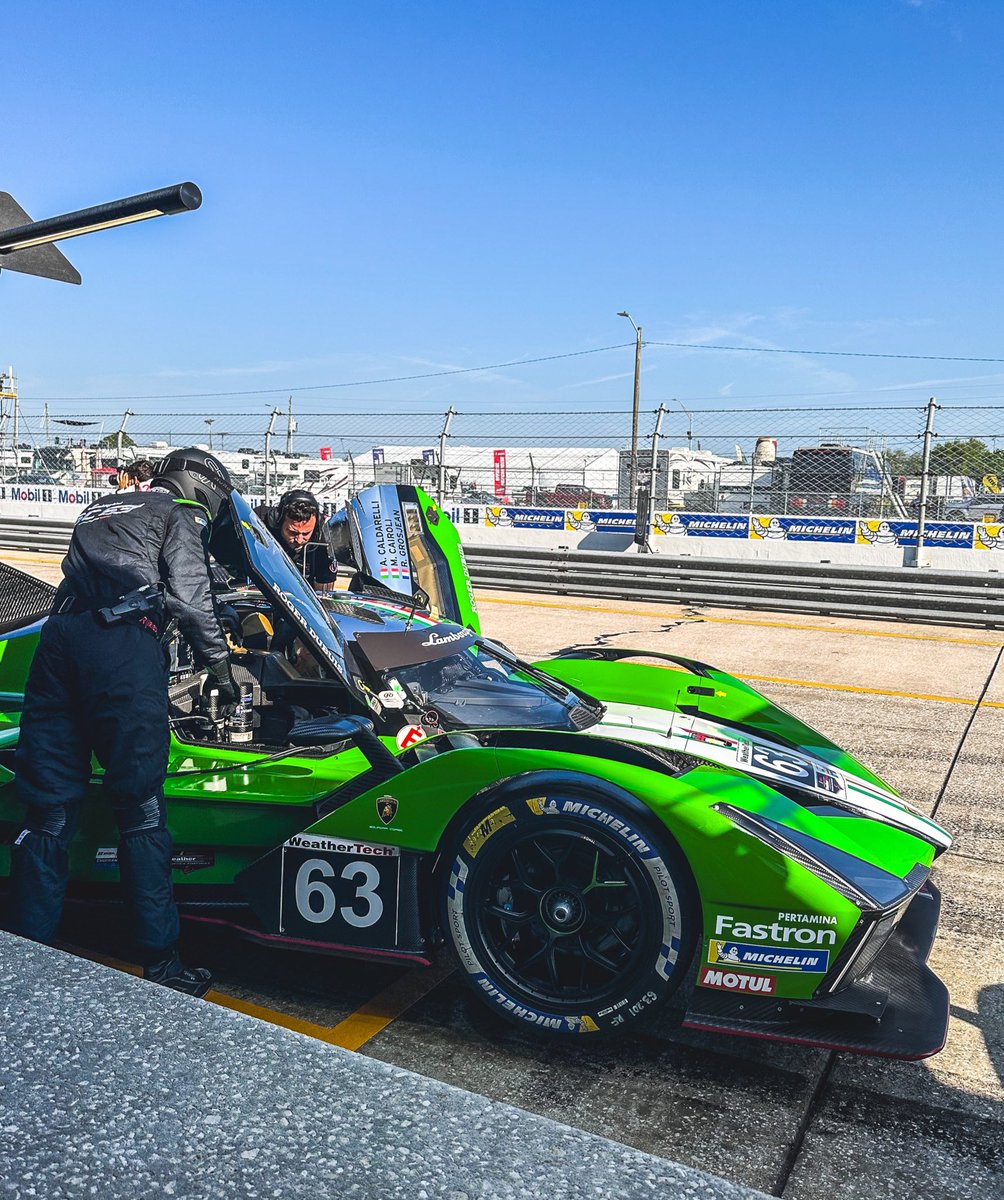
{"points": [[172, 973]]}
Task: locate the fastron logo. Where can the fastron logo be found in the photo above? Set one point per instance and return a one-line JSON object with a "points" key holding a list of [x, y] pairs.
{"points": [[735, 981], [775, 932]]}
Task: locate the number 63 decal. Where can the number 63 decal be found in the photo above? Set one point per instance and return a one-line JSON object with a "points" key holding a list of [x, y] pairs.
{"points": [[317, 902]]}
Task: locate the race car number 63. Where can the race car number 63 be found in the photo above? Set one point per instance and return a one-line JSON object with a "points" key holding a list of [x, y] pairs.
{"points": [[310, 887]]}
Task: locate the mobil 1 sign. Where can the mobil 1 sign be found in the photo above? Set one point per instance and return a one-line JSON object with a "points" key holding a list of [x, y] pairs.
{"points": [[339, 890]]}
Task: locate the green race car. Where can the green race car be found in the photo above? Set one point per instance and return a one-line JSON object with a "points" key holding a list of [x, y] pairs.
{"points": [[587, 833]]}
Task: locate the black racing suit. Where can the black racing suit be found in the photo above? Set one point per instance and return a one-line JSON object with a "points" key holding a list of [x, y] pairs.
{"points": [[101, 689]]}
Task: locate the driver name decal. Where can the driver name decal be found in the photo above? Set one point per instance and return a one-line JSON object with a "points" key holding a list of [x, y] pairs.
{"points": [[391, 542]]}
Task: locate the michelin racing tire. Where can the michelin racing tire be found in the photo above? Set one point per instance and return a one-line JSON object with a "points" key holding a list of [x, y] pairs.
{"points": [[568, 915]]}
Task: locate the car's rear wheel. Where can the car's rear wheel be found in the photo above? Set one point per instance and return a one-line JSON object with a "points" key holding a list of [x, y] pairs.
{"points": [[568, 914]]}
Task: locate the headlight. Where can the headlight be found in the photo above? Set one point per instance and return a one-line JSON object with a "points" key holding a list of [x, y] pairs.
{"points": [[867, 886]]}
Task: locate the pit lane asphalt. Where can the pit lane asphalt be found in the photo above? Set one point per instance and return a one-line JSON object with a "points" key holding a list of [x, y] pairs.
{"points": [[922, 705]]}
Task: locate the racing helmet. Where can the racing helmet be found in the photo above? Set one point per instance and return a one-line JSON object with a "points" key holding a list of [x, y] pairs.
{"points": [[195, 475]]}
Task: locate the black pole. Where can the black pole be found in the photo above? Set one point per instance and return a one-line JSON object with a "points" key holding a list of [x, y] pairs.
{"points": [[180, 197]]}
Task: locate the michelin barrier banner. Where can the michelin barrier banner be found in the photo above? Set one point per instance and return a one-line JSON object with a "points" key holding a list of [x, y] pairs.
{"points": [[56, 502], [803, 529], [955, 535], [716, 525]]}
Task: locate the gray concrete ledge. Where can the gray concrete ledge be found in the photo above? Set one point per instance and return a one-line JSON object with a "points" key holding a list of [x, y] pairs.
{"points": [[114, 1088]]}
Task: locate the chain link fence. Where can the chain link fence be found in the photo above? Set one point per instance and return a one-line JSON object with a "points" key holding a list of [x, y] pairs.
{"points": [[904, 461]]}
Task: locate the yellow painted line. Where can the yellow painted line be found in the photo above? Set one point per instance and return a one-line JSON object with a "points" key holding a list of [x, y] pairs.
{"points": [[351, 1033], [386, 1006], [51, 558], [864, 691], [502, 598], [322, 1033]]}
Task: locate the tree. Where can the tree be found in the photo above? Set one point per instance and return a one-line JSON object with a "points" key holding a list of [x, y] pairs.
{"points": [[902, 462], [971, 456], [111, 441]]}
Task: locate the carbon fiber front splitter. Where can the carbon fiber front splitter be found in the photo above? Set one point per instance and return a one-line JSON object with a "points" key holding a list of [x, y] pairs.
{"points": [[910, 999]]}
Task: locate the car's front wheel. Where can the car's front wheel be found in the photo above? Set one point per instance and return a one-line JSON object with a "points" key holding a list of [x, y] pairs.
{"points": [[567, 913]]}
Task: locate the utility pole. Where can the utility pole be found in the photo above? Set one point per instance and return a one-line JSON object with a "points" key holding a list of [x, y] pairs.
{"points": [[925, 478], [268, 448], [290, 426], [633, 477], [441, 477], [120, 434]]}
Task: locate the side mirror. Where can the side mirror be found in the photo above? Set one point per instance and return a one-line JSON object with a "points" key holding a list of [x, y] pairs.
{"points": [[323, 731]]}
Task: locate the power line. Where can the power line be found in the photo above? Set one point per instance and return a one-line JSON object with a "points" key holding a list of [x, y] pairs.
{"points": [[828, 353], [318, 387], [522, 362]]}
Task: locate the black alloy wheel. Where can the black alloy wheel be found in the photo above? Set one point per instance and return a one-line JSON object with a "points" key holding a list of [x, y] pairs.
{"points": [[567, 915]]}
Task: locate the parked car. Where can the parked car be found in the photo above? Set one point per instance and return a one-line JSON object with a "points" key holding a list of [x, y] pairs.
{"points": [[984, 507]]}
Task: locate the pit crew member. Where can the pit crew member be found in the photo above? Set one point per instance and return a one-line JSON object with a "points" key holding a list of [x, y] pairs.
{"points": [[98, 684]]}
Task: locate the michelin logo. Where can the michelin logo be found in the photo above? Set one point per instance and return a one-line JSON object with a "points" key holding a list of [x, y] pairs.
{"points": [[771, 958]]}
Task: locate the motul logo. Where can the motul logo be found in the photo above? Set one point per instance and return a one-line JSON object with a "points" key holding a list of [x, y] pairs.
{"points": [[736, 981]]}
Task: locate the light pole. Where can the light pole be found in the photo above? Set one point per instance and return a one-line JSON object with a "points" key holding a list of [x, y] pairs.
{"points": [[690, 423], [26, 245], [210, 421], [633, 477]]}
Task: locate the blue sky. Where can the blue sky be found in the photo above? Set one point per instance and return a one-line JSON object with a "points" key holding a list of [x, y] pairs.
{"points": [[394, 188]]}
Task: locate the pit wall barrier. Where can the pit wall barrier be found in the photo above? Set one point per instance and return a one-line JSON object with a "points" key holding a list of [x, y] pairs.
{"points": [[948, 545]]}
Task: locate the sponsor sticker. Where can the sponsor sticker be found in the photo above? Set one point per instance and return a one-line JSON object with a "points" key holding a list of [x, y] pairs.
{"points": [[182, 859], [772, 958], [779, 929], [481, 832], [336, 845], [736, 981], [410, 735]]}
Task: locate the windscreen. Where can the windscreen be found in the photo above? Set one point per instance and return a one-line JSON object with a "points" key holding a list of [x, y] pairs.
{"points": [[470, 684]]}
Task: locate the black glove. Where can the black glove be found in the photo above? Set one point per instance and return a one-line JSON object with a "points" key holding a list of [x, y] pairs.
{"points": [[218, 676]]}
